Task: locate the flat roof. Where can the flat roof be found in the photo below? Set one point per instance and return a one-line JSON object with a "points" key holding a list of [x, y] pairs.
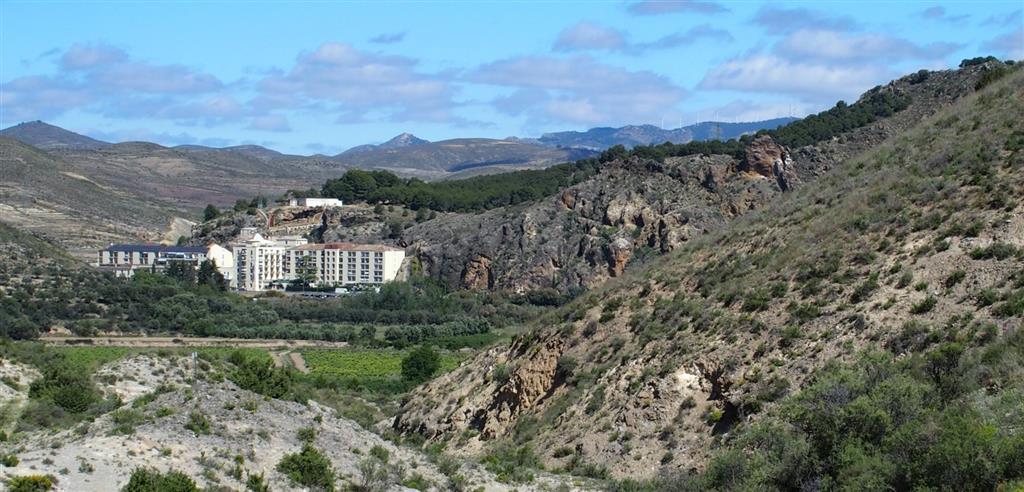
{"points": [[154, 248], [348, 247]]}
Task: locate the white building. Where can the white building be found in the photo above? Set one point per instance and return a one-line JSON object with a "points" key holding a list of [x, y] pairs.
{"points": [[259, 261], [347, 263], [125, 259], [315, 202], [224, 260]]}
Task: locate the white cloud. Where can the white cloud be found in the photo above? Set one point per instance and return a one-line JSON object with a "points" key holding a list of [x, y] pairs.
{"points": [[770, 73], [818, 44], [1009, 44], [578, 90], [586, 36], [357, 82]]}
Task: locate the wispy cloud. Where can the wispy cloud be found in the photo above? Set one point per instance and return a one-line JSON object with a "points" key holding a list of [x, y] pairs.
{"points": [[938, 13], [781, 20], [358, 85], [837, 46], [578, 90], [586, 36], [388, 38], [660, 7]]}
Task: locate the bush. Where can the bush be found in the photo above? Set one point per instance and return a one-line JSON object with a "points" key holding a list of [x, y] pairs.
{"points": [[511, 465], [420, 365], [926, 305], [31, 483], [198, 423], [309, 468], [67, 386], [9, 460], [149, 480], [260, 376]]}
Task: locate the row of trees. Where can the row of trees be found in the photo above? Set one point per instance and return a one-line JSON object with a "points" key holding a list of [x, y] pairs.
{"points": [[463, 195], [498, 190]]}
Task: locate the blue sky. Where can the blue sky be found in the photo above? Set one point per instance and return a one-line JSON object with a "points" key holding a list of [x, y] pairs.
{"points": [[322, 76]]}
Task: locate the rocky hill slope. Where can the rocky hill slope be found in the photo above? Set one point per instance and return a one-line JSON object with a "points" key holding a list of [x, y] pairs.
{"points": [[214, 432], [49, 196], [637, 208], [910, 242]]}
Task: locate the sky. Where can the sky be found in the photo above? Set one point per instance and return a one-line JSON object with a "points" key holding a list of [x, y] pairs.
{"points": [[321, 76]]}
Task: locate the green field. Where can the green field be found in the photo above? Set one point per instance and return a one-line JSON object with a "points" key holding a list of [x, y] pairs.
{"points": [[364, 363]]}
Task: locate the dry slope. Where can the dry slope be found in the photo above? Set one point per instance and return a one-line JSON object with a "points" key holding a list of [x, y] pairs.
{"points": [[917, 241]]}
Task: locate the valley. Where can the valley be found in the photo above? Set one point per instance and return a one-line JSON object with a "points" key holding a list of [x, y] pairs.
{"points": [[791, 309]]}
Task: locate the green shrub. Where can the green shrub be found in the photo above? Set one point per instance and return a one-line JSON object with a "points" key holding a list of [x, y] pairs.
{"points": [[255, 482], [149, 480], [9, 460], [955, 278], [420, 365], [198, 423], [999, 251], [67, 386], [31, 483], [926, 305], [511, 465], [260, 376], [309, 468]]}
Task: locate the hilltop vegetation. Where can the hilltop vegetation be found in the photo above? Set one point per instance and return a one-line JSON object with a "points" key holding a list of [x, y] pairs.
{"points": [[500, 190]]}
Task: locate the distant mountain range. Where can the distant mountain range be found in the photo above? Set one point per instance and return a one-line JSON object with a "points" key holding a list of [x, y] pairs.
{"points": [[411, 155], [633, 135], [402, 140]]}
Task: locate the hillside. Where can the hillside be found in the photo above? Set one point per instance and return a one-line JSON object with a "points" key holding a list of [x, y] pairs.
{"points": [[633, 135], [45, 136], [650, 202], [909, 252], [47, 196], [399, 141], [435, 160], [191, 177]]}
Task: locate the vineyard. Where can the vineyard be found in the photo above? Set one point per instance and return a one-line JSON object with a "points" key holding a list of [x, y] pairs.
{"points": [[364, 363]]}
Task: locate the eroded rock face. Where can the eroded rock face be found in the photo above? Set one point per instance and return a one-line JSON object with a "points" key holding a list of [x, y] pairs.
{"points": [[619, 252], [478, 273], [762, 155], [591, 231]]}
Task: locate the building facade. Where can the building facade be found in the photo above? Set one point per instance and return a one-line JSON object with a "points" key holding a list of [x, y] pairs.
{"points": [[340, 264], [125, 259], [260, 261], [315, 202]]}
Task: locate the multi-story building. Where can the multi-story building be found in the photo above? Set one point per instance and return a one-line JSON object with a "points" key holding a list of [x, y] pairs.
{"points": [[346, 263], [125, 259], [260, 261]]}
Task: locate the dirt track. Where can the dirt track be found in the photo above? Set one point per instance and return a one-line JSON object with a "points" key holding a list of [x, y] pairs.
{"points": [[171, 342]]}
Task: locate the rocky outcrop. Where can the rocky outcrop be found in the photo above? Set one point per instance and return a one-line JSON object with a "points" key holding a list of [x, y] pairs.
{"points": [[477, 274], [766, 158], [618, 252], [591, 231]]}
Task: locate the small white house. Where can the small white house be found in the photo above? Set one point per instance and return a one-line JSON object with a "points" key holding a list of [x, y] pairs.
{"points": [[315, 202]]}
